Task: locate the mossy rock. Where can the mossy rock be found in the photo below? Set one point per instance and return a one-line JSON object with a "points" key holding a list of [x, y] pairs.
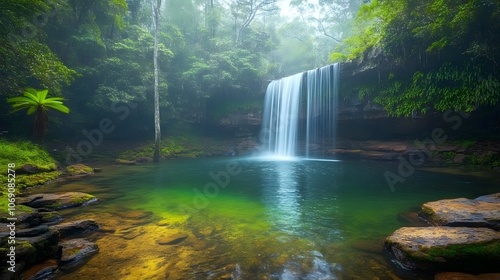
{"points": [[125, 162], [445, 248], [54, 201], [79, 169], [25, 180], [21, 213], [33, 250], [30, 168]]}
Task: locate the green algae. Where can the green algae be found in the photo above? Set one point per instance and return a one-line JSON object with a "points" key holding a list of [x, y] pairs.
{"points": [[78, 169], [475, 253]]}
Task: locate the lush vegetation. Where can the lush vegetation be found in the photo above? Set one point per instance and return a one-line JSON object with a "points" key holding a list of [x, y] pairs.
{"points": [[27, 156], [25, 152], [430, 55], [98, 55]]}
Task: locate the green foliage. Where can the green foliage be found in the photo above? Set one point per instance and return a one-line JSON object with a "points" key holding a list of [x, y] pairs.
{"points": [[412, 37], [26, 58], [128, 67], [489, 158], [34, 100], [448, 157], [448, 87], [222, 108], [37, 101], [171, 147]]}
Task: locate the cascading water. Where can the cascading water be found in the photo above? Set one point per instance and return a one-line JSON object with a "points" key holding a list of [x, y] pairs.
{"points": [[300, 113]]}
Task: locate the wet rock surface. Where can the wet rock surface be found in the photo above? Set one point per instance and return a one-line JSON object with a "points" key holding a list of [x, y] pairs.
{"points": [[172, 239], [75, 228], [42, 271], [39, 239], [445, 248], [483, 211], [76, 252], [55, 201]]}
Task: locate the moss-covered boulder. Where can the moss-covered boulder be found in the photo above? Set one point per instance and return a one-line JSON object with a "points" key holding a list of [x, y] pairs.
{"points": [[55, 201], [31, 250], [22, 212], [79, 169], [30, 180], [445, 248], [483, 211]]}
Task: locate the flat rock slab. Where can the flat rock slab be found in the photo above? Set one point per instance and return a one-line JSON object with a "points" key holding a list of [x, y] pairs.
{"points": [[80, 227], [34, 231], [55, 201], [172, 240], [445, 248], [483, 211], [76, 252]]}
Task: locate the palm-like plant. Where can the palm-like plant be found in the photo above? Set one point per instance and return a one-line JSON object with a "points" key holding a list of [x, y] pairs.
{"points": [[36, 101]]}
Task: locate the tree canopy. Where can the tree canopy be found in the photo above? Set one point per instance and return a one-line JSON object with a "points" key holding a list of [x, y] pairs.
{"points": [[430, 54], [433, 54]]}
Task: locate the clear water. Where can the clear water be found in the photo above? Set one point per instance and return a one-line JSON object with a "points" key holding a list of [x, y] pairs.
{"points": [[259, 219]]}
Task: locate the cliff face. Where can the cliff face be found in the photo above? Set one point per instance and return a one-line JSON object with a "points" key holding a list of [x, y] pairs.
{"points": [[362, 119]]}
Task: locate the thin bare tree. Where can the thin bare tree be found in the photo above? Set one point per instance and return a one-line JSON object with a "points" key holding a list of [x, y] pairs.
{"points": [[155, 6]]}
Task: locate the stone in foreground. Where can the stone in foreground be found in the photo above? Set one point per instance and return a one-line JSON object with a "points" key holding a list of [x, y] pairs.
{"points": [[76, 252], [75, 228], [445, 248], [56, 201], [483, 211]]}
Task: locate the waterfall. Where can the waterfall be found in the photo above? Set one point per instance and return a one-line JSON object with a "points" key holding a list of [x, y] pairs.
{"points": [[300, 113]]}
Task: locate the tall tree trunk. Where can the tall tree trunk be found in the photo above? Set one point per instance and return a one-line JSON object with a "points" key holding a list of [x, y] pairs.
{"points": [[156, 17]]}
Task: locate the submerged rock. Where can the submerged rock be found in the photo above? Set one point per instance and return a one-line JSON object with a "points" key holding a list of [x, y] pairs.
{"points": [[55, 201], [76, 252], [445, 248], [172, 240], [483, 211], [412, 219], [135, 214], [42, 271], [80, 227], [368, 246]]}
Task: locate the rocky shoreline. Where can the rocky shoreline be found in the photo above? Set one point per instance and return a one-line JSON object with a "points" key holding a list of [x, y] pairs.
{"points": [[44, 245], [464, 237]]}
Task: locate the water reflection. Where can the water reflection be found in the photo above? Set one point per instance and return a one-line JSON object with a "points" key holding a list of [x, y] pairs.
{"points": [[281, 195], [290, 194], [297, 194]]}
